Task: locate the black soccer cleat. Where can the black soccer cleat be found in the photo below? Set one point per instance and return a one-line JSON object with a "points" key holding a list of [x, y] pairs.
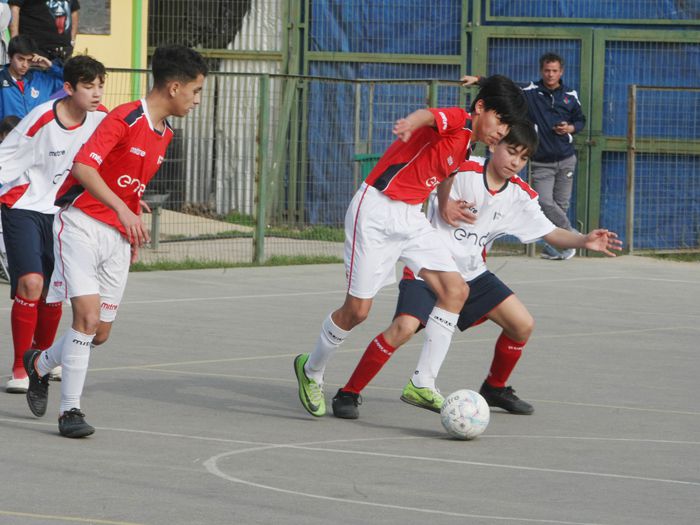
{"points": [[345, 405], [38, 390], [506, 399], [72, 424]]}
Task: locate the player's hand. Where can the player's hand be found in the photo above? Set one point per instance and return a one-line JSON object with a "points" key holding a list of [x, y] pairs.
{"points": [[563, 128], [603, 241], [40, 61], [145, 208], [403, 129], [136, 233], [134, 254], [469, 80], [455, 212]]}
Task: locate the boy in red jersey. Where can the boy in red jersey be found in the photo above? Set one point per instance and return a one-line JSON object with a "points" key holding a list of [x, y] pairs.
{"points": [[506, 206], [384, 224], [98, 230], [34, 161]]}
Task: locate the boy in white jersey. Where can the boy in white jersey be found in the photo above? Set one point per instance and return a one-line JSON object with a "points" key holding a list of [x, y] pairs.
{"points": [[99, 229], [505, 205], [34, 161]]}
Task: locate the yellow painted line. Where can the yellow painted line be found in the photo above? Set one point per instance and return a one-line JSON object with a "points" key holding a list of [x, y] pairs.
{"points": [[64, 518]]}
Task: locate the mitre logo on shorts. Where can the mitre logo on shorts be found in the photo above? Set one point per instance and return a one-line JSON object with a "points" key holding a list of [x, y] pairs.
{"points": [[94, 156], [58, 284], [109, 306], [137, 151], [126, 181]]}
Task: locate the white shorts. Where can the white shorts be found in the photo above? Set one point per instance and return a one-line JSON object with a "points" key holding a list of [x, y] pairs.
{"points": [[92, 258], [380, 231]]}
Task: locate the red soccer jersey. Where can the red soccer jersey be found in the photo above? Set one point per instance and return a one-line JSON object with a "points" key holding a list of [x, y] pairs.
{"points": [[408, 171], [127, 151]]}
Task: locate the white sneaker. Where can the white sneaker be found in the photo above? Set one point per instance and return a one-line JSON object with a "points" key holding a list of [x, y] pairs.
{"points": [[56, 374], [568, 254], [17, 386]]}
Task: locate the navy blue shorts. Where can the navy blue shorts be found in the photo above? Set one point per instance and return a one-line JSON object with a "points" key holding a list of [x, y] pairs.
{"points": [[29, 244], [485, 293]]}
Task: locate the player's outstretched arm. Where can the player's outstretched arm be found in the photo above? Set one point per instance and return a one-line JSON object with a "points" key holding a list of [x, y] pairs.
{"points": [[91, 180], [600, 240], [404, 127]]}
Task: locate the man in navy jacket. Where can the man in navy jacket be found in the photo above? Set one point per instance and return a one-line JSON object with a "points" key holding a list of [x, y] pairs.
{"points": [[22, 88], [556, 111]]}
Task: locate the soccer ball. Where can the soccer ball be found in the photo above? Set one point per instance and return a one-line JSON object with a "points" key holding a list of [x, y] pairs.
{"points": [[465, 414]]}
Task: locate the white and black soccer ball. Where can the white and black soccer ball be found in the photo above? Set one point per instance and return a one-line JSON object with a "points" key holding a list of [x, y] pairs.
{"points": [[465, 414]]}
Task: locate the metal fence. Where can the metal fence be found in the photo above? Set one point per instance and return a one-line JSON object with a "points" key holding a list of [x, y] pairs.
{"points": [[293, 104]]}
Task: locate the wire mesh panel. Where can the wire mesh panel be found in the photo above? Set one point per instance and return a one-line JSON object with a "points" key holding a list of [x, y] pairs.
{"points": [[386, 26], [613, 10], [644, 63], [215, 24], [660, 172]]}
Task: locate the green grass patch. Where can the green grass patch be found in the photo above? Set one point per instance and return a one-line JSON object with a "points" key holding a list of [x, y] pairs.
{"points": [[192, 264], [681, 257]]}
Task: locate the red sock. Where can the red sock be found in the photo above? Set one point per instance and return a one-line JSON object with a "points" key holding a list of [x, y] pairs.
{"points": [[23, 320], [378, 352], [49, 316], [505, 357]]}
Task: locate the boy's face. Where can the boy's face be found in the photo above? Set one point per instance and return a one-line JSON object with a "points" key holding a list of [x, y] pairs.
{"points": [[86, 95], [19, 64], [508, 159], [185, 96], [488, 127]]}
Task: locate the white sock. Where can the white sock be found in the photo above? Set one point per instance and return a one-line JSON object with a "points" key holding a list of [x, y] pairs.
{"points": [[76, 355], [51, 357], [438, 335], [330, 338]]}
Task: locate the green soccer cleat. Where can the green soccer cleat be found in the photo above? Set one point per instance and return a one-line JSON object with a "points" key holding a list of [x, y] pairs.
{"points": [[422, 397], [310, 392]]}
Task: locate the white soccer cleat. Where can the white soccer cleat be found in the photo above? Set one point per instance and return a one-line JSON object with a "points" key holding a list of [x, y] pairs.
{"points": [[17, 385]]}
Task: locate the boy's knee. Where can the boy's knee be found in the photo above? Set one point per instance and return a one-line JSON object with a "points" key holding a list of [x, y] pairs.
{"points": [[401, 330], [30, 286]]}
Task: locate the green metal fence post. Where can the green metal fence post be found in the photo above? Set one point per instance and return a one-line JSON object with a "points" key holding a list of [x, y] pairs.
{"points": [[136, 32], [262, 140]]}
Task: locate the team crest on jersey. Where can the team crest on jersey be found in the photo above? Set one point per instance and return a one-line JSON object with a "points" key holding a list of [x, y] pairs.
{"points": [[566, 100], [160, 160], [450, 160], [34, 93], [5, 83]]}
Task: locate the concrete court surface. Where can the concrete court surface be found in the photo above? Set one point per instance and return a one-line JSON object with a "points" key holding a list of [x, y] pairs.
{"points": [[198, 420]]}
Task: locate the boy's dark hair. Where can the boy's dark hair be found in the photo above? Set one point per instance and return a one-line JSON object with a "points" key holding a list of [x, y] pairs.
{"points": [[503, 96], [551, 57], [176, 62], [8, 124], [23, 45], [83, 68], [523, 133]]}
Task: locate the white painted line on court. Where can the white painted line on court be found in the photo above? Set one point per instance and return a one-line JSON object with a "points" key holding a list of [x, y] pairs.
{"points": [[212, 467]]}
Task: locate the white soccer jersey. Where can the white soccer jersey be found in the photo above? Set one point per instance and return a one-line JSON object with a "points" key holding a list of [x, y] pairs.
{"points": [[36, 157], [514, 210]]}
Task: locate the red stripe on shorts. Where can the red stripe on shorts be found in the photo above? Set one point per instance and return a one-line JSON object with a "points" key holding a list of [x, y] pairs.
{"points": [[354, 235]]}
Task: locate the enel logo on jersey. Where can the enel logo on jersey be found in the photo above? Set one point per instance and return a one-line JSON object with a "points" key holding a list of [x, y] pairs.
{"points": [[125, 181]]}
